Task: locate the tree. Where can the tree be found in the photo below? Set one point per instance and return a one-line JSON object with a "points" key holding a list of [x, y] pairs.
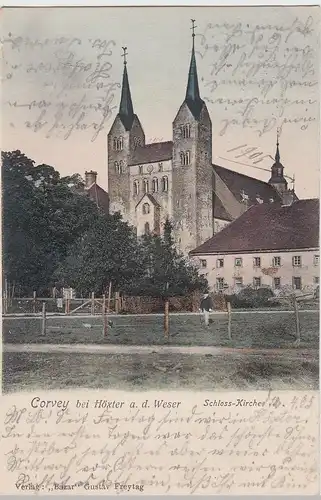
{"points": [[107, 251], [43, 214], [167, 272]]}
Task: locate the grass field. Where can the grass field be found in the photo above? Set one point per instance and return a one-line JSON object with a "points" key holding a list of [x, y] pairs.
{"points": [[266, 330], [168, 371]]}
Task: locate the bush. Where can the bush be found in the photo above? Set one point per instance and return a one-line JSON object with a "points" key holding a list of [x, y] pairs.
{"points": [[251, 298]]}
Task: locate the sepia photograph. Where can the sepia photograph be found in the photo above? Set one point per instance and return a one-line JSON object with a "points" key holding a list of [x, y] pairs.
{"points": [[160, 198]]}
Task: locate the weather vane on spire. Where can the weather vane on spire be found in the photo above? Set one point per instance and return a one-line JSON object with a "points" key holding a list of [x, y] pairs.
{"points": [[124, 55], [277, 135], [193, 27]]}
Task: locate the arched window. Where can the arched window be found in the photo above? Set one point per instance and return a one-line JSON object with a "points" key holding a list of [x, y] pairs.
{"points": [[140, 169], [117, 167], [146, 208], [165, 183], [147, 230], [136, 188], [186, 131], [121, 166], [155, 185], [146, 186], [279, 172], [118, 143], [185, 157]]}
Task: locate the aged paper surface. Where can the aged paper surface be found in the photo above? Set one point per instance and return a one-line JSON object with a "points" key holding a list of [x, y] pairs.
{"points": [[199, 115], [160, 442]]}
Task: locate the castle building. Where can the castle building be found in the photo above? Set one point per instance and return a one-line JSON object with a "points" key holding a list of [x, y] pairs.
{"points": [[149, 182]]}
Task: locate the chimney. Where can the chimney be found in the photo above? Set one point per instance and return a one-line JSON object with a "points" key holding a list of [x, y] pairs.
{"points": [[287, 197], [90, 178]]}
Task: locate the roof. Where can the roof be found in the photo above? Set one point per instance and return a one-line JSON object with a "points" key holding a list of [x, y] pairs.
{"points": [[99, 196], [126, 111], [252, 187], [151, 153], [268, 227], [192, 98], [219, 211], [151, 199]]}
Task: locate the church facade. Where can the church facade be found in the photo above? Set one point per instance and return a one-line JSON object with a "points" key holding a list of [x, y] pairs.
{"points": [[149, 182]]}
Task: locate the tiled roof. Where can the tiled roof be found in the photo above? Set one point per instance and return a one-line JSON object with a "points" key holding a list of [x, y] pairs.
{"points": [[151, 153], [99, 196], [150, 198], [268, 226], [253, 188], [219, 212]]}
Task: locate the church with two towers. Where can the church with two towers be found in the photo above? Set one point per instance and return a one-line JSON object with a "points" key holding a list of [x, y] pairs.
{"points": [[176, 179]]}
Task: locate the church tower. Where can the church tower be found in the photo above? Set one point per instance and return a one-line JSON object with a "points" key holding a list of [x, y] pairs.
{"points": [[192, 210], [125, 135], [277, 179]]}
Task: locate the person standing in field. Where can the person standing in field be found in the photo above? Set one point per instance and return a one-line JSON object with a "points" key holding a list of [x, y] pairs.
{"points": [[206, 307]]}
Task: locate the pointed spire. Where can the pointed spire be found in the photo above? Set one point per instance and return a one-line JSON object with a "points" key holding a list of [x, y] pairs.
{"points": [[277, 154], [126, 111], [192, 97], [277, 169]]}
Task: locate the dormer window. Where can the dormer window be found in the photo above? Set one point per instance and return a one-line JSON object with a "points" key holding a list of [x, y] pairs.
{"points": [[118, 143], [146, 208], [259, 199], [245, 197], [186, 131], [185, 157], [146, 186], [155, 185], [271, 200], [165, 183]]}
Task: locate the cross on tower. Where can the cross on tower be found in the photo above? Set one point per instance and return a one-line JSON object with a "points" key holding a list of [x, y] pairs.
{"points": [[125, 54], [193, 27]]}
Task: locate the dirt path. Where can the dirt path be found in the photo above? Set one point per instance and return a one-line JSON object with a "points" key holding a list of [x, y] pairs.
{"points": [[294, 353]]}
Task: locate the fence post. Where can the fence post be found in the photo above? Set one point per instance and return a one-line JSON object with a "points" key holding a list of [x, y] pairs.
{"points": [[43, 319], [5, 297], [117, 302], [229, 320], [92, 303], [297, 321], [34, 301], [166, 318], [109, 297], [104, 316]]}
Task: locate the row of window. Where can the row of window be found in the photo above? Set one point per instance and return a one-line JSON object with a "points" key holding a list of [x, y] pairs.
{"points": [[257, 282], [276, 261], [118, 142], [154, 186]]}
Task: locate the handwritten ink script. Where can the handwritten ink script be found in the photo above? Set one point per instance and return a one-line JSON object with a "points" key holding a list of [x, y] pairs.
{"points": [[199, 444], [57, 86], [262, 76]]}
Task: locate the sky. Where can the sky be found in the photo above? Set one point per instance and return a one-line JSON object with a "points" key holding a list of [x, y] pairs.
{"points": [[258, 70]]}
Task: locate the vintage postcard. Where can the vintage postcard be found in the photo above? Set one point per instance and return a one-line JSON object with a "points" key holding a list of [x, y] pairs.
{"points": [[160, 250]]}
